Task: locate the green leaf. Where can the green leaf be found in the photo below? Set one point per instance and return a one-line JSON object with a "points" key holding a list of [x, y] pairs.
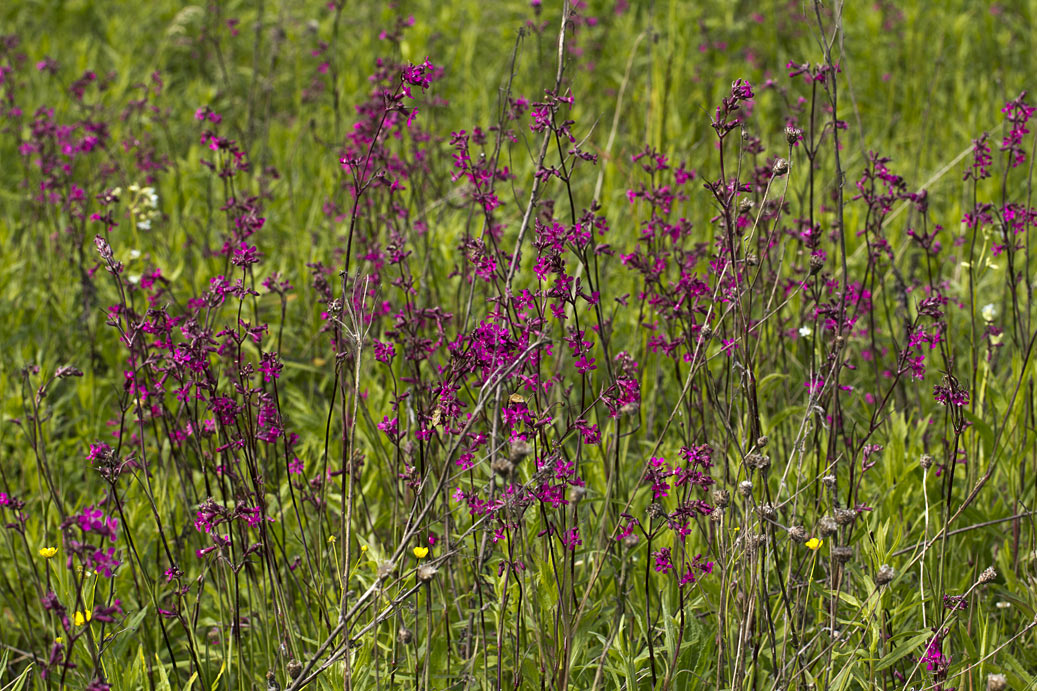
{"points": [[903, 650]]}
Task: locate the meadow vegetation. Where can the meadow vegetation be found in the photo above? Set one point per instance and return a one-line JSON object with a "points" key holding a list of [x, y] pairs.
{"points": [[592, 344]]}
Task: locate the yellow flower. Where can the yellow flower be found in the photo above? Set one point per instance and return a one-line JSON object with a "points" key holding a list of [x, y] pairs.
{"points": [[80, 618], [331, 539], [48, 552], [59, 639], [813, 543], [363, 548], [421, 552]]}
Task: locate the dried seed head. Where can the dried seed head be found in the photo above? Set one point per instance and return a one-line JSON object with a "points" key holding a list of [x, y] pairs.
{"points": [[745, 205], [745, 487], [781, 166], [752, 260], [630, 541], [926, 461], [576, 493], [884, 575], [799, 534], [502, 466], [520, 448], [426, 572], [988, 575], [842, 554], [761, 441], [758, 461], [721, 497], [404, 635], [793, 134], [294, 669], [827, 526], [817, 263], [656, 510], [828, 481], [384, 571], [707, 332], [271, 681], [845, 516], [767, 511], [716, 515], [996, 682]]}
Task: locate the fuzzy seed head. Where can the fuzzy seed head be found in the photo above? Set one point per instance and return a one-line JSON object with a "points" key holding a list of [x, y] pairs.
{"points": [[827, 526], [426, 572], [842, 553], [845, 517], [884, 575], [520, 448], [656, 510], [758, 461]]}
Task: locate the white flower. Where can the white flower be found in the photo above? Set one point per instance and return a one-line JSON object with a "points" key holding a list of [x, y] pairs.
{"points": [[134, 254], [144, 224], [133, 278], [805, 331], [988, 312]]}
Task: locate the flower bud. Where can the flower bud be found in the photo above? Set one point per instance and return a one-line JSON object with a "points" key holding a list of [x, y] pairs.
{"points": [[781, 166]]}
